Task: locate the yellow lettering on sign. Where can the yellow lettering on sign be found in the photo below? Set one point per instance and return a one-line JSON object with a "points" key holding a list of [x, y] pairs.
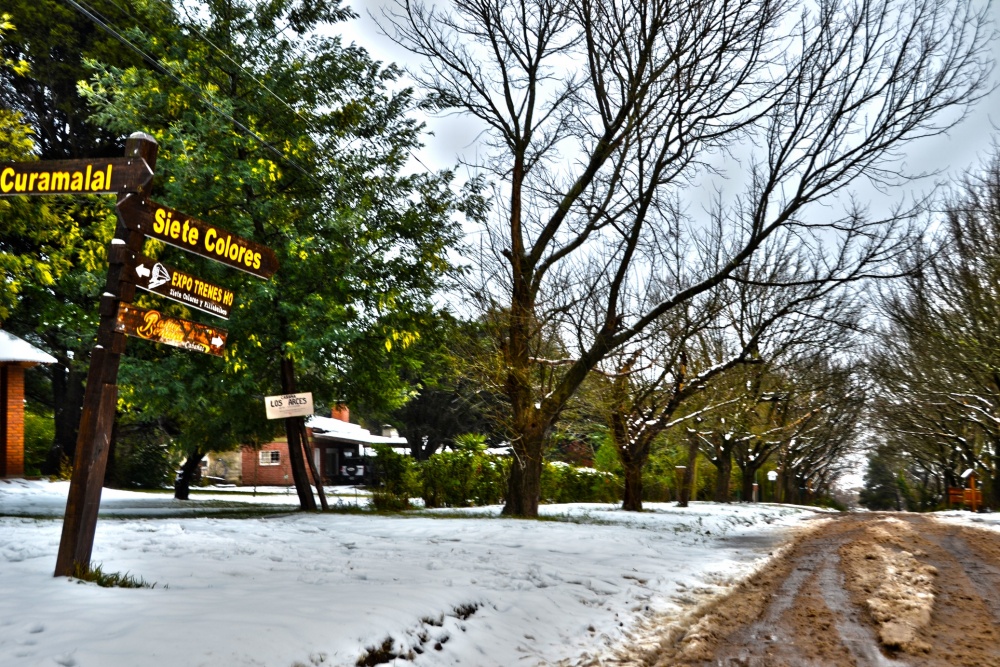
{"points": [[92, 179], [150, 324], [60, 180]]}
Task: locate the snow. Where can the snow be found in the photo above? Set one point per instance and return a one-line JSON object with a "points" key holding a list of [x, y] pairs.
{"points": [[292, 589], [14, 349], [988, 520]]}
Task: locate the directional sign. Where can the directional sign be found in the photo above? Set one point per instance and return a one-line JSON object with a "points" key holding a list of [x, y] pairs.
{"points": [[165, 224], [288, 405], [74, 177], [153, 325], [160, 278]]}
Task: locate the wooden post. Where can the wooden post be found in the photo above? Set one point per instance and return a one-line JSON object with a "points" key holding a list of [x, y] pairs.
{"points": [[313, 468], [101, 397], [294, 430], [972, 485]]}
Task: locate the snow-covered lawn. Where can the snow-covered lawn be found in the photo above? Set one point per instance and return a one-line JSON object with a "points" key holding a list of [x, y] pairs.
{"points": [[301, 590]]}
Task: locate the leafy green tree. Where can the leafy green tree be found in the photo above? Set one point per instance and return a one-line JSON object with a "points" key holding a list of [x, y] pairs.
{"points": [[54, 248], [271, 130]]}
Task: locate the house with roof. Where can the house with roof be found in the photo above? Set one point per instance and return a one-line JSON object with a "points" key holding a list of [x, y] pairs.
{"points": [[341, 452], [15, 356]]}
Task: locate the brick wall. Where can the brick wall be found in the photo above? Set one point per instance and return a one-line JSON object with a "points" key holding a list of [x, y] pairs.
{"points": [[12, 455], [268, 475]]}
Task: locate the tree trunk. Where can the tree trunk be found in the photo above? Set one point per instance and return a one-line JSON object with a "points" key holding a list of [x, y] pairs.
{"points": [[67, 396], [524, 486], [724, 465], [749, 477], [994, 499], [687, 483], [190, 472], [293, 432], [633, 485]]}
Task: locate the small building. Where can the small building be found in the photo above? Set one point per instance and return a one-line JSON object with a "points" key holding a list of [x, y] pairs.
{"points": [[15, 356], [341, 452], [267, 465]]}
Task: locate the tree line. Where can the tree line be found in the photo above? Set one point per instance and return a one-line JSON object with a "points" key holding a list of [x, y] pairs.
{"points": [[666, 240]]}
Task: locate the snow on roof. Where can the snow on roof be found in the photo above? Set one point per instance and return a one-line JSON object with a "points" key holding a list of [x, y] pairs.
{"points": [[13, 349], [335, 429]]}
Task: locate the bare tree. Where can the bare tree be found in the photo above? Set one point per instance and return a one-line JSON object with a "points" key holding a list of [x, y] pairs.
{"points": [[601, 114], [937, 363]]}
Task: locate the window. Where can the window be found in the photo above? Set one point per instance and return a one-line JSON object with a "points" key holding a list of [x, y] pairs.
{"points": [[270, 458]]}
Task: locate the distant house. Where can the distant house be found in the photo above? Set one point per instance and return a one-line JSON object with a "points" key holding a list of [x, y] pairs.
{"points": [[15, 356], [341, 452]]}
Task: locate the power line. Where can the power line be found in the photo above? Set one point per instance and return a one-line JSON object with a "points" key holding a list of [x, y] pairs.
{"points": [[101, 21], [92, 14]]}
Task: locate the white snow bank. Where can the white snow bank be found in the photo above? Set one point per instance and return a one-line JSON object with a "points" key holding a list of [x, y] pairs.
{"points": [[989, 520], [310, 589]]}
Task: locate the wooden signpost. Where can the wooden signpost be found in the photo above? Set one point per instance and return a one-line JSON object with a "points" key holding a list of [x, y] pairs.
{"points": [[130, 178]]}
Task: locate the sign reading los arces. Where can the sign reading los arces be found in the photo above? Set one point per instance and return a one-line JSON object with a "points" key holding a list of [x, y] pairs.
{"points": [[183, 231], [288, 405], [74, 177]]}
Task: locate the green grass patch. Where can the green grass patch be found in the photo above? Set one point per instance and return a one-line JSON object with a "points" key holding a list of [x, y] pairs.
{"points": [[104, 579]]}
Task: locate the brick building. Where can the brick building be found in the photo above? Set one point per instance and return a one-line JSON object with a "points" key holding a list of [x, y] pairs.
{"points": [[15, 356], [341, 451]]}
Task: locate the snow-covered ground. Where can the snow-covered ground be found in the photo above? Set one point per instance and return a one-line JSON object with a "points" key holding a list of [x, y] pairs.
{"points": [[302, 590], [988, 520]]}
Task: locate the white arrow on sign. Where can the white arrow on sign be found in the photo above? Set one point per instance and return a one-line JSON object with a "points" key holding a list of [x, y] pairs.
{"points": [[216, 341], [142, 271]]}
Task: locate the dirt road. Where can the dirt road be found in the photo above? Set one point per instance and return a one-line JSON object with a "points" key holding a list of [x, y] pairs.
{"points": [[861, 589]]}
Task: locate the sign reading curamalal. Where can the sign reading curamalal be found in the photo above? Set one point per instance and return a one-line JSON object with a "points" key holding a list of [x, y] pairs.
{"points": [[74, 177]]}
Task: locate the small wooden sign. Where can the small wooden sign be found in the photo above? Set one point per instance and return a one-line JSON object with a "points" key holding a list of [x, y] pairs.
{"points": [[153, 325], [74, 177], [170, 226], [165, 280], [288, 405]]}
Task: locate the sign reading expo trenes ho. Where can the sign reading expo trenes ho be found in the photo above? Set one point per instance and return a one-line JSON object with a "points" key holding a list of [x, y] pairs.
{"points": [[288, 405]]}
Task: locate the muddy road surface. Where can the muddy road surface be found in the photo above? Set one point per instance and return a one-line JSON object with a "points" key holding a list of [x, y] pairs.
{"points": [[860, 590]]}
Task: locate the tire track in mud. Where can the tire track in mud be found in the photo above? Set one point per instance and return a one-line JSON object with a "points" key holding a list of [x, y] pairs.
{"points": [[861, 590], [810, 620], [966, 623]]}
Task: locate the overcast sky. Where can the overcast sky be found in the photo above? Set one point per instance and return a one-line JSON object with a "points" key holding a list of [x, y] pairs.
{"points": [[455, 136]]}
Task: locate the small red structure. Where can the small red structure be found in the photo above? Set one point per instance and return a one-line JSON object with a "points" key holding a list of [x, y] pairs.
{"points": [[15, 356], [341, 452], [970, 496]]}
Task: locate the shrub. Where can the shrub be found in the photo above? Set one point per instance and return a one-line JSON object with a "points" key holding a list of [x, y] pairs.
{"points": [[562, 483], [39, 433], [394, 479], [464, 478], [141, 460]]}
